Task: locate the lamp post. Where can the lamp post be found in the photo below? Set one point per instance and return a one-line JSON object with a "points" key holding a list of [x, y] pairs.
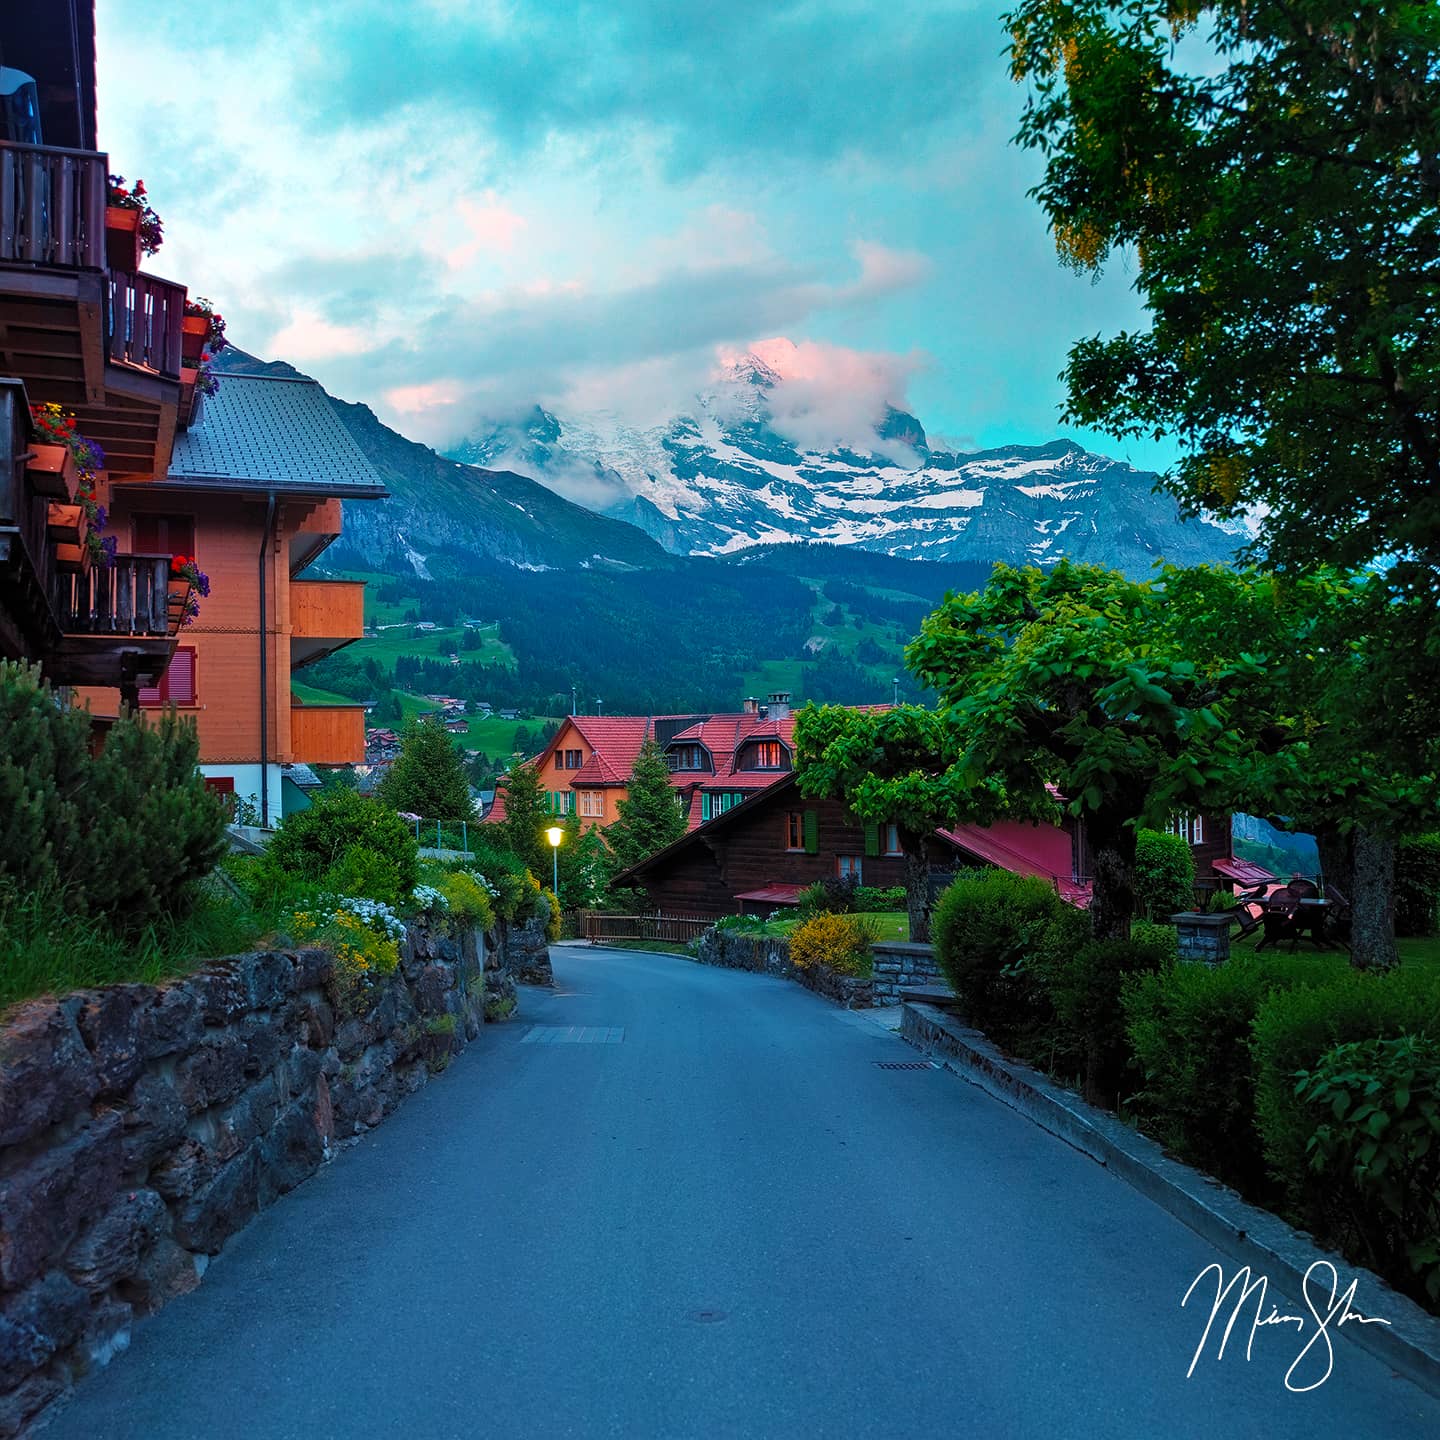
{"points": [[554, 834]]}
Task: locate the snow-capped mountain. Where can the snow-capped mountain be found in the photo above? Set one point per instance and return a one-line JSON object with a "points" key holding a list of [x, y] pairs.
{"points": [[737, 471]]}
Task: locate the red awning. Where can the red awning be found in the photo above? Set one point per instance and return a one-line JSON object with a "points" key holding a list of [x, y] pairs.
{"points": [[1247, 872], [774, 895]]}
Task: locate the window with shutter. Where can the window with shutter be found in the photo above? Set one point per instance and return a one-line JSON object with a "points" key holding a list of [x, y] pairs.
{"points": [[872, 839], [177, 684]]}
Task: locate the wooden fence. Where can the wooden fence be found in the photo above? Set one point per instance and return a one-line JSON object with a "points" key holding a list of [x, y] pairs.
{"points": [[601, 929]]}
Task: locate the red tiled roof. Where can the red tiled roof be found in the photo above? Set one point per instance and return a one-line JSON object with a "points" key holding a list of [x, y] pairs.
{"points": [[1024, 849], [1247, 872], [774, 895]]}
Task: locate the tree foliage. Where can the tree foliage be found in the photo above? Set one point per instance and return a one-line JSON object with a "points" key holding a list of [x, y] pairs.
{"points": [[527, 815], [1082, 681], [895, 766], [120, 835], [650, 816], [428, 778], [1279, 201]]}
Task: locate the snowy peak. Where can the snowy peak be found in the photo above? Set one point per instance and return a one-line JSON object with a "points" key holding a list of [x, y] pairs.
{"points": [[762, 458]]}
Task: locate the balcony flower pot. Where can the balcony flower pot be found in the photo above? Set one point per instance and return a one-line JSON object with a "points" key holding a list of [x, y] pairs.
{"points": [[53, 472], [66, 524], [122, 238], [73, 559], [194, 336]]}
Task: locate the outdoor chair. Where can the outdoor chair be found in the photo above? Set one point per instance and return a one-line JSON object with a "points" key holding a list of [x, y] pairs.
{"points": [[1291, 913], [1249, 910]]}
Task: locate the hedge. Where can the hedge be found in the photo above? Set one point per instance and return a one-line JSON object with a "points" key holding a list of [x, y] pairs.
{"points": [[1417, 885]]}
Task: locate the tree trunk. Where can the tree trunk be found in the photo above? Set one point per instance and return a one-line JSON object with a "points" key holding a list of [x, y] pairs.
{"points": [[917, 887], [1372, 926], [1337, 860], [1112, 861]]}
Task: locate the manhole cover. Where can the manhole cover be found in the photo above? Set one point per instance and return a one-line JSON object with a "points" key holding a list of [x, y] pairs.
{"points": [[904, 1064], [574, 1035], [707, 1317]]}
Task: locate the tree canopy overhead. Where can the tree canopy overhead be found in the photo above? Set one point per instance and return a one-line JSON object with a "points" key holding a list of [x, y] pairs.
{"points": [[1274, 179]]}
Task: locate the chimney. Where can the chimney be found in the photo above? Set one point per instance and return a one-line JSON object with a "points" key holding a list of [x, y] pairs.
{"points": [[751, 705], [779, 706]]}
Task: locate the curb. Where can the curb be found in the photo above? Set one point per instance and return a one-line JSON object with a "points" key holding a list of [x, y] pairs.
{"points": [[1255, 1237]]}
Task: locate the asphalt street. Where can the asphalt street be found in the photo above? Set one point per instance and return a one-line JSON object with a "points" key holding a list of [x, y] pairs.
{"points": [[713, 1212]]}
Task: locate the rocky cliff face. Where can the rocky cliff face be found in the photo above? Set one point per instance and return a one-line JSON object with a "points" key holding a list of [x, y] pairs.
{"points": [[730, 473]]}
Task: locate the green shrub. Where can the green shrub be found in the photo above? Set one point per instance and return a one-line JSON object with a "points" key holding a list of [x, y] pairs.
{"points": [[1417, 885], [1158, 936], [1293, 1031], [119, 837], [553, 919], [840, 941], [873, 899], [470, 905], [994, 933], [360, 871], [1189, 1029], [1164, 874], [1374, 1106], [312, 843], [832, 895], [1089, 1027]]}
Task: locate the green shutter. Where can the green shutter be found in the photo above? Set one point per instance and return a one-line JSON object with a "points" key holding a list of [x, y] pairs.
{"points": [[812, 833], [704, 805], [872, 839]]}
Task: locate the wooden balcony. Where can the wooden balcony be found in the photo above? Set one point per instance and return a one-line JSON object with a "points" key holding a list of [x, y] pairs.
{"points": [[105, 344], [324, 616], [327, 734], [117, 626]]}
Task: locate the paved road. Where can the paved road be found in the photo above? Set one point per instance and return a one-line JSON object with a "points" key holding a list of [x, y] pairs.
{"points": [[729, 1222]]}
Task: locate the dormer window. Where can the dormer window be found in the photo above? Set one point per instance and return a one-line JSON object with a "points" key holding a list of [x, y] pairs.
{"points": [[687, 757]]}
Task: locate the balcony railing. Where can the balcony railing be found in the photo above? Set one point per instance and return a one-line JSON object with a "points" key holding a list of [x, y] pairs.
{"points": [[130, 597], [52, 206], [145, 318], [328, 734]]}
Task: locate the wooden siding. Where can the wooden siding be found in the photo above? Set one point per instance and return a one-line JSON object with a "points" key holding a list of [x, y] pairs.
{"points": [[328, 734], [327, 609], [749, 853]]}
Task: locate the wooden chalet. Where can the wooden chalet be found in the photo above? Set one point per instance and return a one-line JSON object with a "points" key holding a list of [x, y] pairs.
{"points": [[759, 855]]}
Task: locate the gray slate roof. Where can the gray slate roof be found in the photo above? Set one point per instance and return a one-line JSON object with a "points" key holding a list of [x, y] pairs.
{"points": [[267, 433]]}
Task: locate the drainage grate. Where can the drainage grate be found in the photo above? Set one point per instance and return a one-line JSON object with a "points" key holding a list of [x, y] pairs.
{"points": [[574, 1035], [905, 1065]]}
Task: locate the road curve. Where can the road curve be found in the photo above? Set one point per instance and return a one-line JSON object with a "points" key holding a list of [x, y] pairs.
{"points": [[729, 1220]]}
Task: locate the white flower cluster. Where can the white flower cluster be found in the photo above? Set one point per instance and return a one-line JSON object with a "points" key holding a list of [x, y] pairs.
{"points": [[493, 891], [375, 913], [427, 897]]}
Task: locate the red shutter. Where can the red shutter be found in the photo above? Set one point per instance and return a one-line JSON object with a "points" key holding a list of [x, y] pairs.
{"points": [[177, 684], [220, 784]]}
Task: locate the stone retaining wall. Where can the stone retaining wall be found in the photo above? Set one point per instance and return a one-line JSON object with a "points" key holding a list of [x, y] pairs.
{"points": [[142, 1126], [901, 965], [771, 955]]}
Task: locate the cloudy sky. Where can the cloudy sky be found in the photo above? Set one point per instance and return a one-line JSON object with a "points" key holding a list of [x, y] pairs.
{"points": [[450, 209]]}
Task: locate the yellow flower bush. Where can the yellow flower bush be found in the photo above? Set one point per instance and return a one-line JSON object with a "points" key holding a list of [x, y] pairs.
{"points": [[469, 903], [362, 948], [840, 941]]}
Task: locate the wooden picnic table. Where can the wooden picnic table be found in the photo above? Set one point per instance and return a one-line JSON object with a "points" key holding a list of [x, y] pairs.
{"points": [[1287, 918]]}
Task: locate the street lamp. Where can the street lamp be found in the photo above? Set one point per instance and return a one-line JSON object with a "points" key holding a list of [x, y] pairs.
{"points": [[554, 834]]}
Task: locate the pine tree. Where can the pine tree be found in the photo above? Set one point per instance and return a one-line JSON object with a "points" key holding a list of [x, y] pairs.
{"points": [[428, 779], [650, 816], [527, 814]]}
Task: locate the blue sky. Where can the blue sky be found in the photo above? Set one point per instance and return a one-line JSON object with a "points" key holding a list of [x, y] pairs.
{"points": [[449, 209]]}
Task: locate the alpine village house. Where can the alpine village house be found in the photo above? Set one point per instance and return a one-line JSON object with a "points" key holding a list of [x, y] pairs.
{"points": [[228, 484]]}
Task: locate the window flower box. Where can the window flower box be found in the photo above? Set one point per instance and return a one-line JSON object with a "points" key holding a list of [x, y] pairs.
{"points": [[122, 238], [73, 559], [53, 472], [194, 336], [66, 524]]}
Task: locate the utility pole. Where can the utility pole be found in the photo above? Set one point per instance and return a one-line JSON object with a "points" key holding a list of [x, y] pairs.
{"points": [[896, 683], [572, 699]]}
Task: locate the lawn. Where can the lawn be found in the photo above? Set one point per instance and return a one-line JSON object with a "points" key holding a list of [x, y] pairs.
{"points": [[1414, 949]]}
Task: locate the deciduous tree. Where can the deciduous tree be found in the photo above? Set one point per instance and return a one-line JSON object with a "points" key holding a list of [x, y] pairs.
{"points": [[1275, 185], [428, 778]]}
